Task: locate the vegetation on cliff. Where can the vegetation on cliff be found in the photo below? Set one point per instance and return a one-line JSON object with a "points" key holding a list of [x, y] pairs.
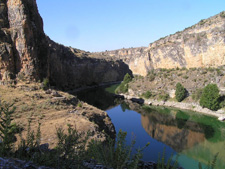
{"points": [[123, 87]]}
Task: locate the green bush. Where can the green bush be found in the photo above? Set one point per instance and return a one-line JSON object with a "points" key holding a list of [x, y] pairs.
{"points": [[147, 95], [210, 97], [127, 78], [181, 92], [7, 129], [123, 87], [164, 97], [45, 84]]}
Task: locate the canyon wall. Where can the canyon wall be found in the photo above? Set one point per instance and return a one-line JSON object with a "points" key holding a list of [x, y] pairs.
{"points": [[27, 53], [201, 45]]}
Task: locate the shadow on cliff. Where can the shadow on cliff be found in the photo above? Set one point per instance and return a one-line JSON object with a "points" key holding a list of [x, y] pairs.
{"points": [[70, 68]]}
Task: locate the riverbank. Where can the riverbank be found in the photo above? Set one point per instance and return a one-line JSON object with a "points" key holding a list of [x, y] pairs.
{"points": [[220, 114]]}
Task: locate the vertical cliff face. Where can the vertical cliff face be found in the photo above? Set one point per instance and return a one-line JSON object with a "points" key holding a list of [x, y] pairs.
{"points": [[201, 45], [137, 58], [27, 53], [28, 38], [6, 47], [71, 68]]}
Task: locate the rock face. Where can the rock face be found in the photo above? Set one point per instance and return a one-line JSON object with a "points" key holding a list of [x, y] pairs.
{"points": [[27, 53], [201, 45], [136, 58]]}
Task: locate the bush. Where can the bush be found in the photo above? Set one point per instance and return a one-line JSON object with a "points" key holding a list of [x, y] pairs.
{"points": [[210, 97], [7, 129], [123, 87], [45, 84], [147, 95], [222, 14], [181, 92], [127, 78], [164, 97]]}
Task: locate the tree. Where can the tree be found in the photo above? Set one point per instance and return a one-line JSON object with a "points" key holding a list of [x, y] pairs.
{"points": [[181, 92], [210, 97], [123, 87], [127, 78], [7, 129]]}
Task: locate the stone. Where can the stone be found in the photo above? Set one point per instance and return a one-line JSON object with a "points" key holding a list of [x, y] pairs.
{"points": [[56, 94], [222, 118], [137, 100]]}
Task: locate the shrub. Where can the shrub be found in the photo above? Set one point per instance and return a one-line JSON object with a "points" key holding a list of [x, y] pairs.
{"points": [[210, 97], [181, 92], [147, 94], [45, 84], [7, 129], [127, 78], [164, 97], [123, 87], [151, 77], [185, 77], [222, 14]]}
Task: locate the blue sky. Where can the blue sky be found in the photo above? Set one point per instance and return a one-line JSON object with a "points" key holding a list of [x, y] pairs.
{"points": [[99, 25]]}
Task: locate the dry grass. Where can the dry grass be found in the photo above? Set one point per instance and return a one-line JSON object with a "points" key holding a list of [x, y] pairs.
{"points": [[33, 103]]}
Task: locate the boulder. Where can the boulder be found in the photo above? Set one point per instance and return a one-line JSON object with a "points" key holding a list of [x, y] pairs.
{"points": [[221, 118]]}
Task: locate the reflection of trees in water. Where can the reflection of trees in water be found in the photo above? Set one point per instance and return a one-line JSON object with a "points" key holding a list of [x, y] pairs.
{"points": [[98, 97]]}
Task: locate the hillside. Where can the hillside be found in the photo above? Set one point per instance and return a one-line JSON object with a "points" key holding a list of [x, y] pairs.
{"points": [[26, 53], [201, 45]]}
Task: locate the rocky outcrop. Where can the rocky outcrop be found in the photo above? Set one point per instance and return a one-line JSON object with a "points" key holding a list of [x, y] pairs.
{"points": [[136, 58], [27, 53], [66, 69], [201, 45]]}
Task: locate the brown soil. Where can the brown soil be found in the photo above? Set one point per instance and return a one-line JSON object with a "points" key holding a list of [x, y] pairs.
{"points": [[52, 112]]}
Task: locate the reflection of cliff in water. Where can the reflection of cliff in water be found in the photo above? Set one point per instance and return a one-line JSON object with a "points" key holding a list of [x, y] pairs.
{"points": [[179, 134], [98, 97]]}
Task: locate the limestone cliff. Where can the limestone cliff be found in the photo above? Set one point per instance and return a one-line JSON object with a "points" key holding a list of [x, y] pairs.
{"points": [[136, 58], [27, 53], [201, 45]]}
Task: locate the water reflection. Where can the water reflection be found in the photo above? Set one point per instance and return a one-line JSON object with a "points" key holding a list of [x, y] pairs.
{"points": [[167, 129], [98, 97], [194, 136]]}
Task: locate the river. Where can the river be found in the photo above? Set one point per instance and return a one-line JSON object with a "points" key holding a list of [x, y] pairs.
{"points": [[191, 137]]}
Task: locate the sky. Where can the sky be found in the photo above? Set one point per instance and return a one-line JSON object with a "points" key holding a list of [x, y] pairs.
{"points": [[99, 25]]}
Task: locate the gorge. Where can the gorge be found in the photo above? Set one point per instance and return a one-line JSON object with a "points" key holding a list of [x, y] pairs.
{"points": [[28, 57]]}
